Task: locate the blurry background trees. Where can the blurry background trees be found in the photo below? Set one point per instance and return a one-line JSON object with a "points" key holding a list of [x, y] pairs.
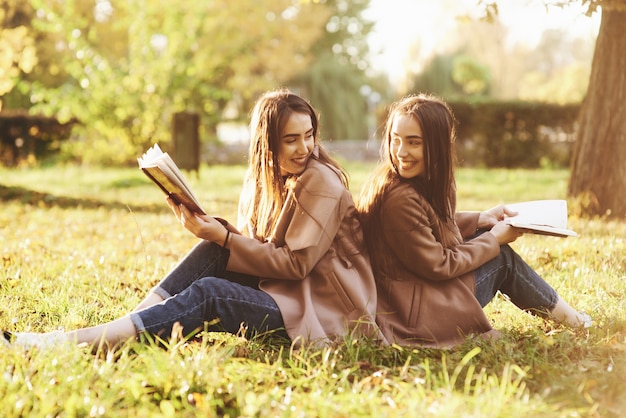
{"points": [[18, 54], [477, 62], [122, 69], [118, 72], [335, 79], [131, 65]]}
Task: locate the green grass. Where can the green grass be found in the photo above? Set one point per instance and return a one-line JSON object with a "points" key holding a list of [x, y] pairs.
{"points": [[81, 246]]}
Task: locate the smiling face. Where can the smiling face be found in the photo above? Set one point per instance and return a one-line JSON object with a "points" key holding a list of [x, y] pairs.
{"points": [[296, 144], [406, 146]]}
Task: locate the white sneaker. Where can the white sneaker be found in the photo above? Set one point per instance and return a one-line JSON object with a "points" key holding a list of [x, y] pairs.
{"points": [[585, 320], [29, 340]]}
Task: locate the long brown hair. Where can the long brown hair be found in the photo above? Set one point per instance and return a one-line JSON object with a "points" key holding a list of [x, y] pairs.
{"points": [[263, 193], [436, 185]]}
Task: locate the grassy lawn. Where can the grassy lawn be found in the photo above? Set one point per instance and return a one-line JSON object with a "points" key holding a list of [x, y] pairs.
{"points": [[80, 246]]}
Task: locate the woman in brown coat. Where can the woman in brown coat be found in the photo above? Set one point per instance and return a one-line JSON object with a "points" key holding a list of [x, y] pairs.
{"points": [[436, 268], [298, 268]]}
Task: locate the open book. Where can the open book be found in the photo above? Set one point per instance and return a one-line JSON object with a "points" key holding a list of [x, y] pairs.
{"points": [[547, 217], [164, 172]]}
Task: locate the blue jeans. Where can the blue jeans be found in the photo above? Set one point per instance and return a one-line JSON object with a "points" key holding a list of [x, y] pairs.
{"points": [[200, 294], [510, 275]]}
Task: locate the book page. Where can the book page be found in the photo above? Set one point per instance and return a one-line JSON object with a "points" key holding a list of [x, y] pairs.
{"points": [[541, 212]]}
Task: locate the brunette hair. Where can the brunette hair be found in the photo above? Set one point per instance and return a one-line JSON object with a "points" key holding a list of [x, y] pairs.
{"points": [[437, 183], [264, 194]]}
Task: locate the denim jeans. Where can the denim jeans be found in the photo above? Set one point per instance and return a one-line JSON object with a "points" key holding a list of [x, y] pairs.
{"points": [[510, 275], [200, 294]]}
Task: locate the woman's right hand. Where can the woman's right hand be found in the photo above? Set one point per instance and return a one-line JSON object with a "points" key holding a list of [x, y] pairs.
{"points": [[506, 233]]}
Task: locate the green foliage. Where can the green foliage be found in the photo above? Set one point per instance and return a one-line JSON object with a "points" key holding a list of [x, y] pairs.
{"points": [[567, 85], [471, 76], [123, 69], [346, 33], [130, 66], [555, 70], [514, 134], [334, 89], [18, 52], [437, 77], [454, 76], [335, 79], [82, 246]]}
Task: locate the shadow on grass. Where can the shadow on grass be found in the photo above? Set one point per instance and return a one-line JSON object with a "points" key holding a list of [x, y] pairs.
{"points": [[47, 200]]}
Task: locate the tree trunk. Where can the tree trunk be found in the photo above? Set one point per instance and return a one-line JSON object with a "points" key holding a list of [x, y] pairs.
{"points": [[598, 170]]}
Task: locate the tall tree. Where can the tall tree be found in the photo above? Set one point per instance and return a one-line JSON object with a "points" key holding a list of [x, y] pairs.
{"points": [[598, 170], [598, 173]]}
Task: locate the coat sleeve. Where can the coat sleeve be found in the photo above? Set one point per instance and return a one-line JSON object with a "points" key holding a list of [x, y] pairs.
{"points": [[316, 218], [467, 222], [413, 235]]}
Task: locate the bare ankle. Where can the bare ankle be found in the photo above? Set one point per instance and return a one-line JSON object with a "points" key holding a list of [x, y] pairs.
{"points": [[150, 300]]}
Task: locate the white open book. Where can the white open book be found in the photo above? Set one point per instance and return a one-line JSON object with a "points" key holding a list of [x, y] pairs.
{"points": [[548, 217], [163, 171]]}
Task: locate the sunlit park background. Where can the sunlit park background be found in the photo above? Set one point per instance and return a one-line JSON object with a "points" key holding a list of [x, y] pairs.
{"points": [[87, 85]]}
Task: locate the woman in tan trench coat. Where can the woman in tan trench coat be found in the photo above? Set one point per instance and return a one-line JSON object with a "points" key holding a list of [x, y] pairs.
{"points": [[437, 268], [298, 268]]}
